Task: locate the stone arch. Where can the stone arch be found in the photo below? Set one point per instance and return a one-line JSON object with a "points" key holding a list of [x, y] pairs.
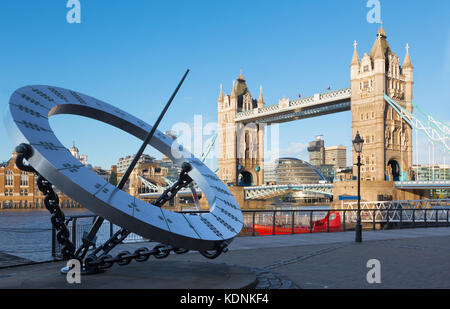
{"points": [[245, 179], [394, 170]]}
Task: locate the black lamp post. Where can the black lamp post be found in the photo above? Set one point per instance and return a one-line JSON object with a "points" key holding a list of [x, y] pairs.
{"points": [[357, 145]]}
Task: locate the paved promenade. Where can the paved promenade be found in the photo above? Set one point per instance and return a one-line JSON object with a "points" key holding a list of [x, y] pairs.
{"points": [[410, 258]]}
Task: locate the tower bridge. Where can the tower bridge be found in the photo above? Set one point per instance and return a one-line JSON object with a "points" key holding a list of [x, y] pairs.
{"points": [[380, 101]]}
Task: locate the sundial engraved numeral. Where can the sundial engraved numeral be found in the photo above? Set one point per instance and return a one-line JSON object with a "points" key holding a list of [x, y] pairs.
{"points": [[100, 187], [33, 126], [222, 190], [190, 224], [32, 101], [48, 146], [211, 226], [43, 95], [228, 203], [134, 207], [78, 97], [212, 177], [228, 214], [117, 111], [71, 167], [29, 111], [224, 223], [58, 94]]}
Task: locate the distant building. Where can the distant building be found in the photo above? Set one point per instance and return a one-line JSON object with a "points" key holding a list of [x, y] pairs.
{"points": [[76, 153], [270, 174], [124, 162], [328, 171], [431, 172], [147, 177], [336, 156], [296, 171], [316, 151], [19, 190]]}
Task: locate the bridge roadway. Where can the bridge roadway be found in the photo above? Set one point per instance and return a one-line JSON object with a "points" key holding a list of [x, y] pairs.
{"points": [[261, 192], [289, 110]]}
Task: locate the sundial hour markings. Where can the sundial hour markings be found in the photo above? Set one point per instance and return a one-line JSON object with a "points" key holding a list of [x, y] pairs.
{"points": [[101, 188], [222, 190], [32, 101], [225, 224], [78, 97], [58, 94], [227, 203], [164, 218], [30, 111], [191, 226], [71, 167], [228, 214], [43, 95], [134, 207], [32, 126], [211, 227], [48, 145]]}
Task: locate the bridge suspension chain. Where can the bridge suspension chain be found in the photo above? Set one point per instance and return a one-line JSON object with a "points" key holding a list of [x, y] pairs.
{"points": [[435, 131]]}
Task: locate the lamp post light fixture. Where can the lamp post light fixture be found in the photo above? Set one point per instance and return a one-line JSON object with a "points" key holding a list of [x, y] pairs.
{"points": [[357, 145]]}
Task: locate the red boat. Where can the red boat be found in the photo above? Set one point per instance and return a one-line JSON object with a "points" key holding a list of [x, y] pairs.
{"points": [[333, 218]]}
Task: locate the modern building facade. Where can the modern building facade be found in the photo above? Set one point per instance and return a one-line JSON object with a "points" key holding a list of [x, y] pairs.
{"points": [[124, 162], [296, 171], [336, 156], [316, 151]]}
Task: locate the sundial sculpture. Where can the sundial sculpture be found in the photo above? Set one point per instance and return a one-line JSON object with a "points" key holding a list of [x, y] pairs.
{"points": [[28, 125]]}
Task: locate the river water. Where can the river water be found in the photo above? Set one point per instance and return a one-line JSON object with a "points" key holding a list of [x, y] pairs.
{"points": [[27, 233]]}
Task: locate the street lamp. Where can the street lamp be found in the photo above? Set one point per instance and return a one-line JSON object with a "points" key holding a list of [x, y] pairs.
{"points": [[357, 145]]}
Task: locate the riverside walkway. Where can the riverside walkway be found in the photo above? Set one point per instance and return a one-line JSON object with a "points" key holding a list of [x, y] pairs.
{"points": [[409, 258]]}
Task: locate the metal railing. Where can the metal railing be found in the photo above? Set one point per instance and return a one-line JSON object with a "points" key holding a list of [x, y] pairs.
{"points": [[281, 222]]}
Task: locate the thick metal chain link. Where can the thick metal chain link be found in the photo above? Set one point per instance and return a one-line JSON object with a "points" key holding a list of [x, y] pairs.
{"points": [[125, 257], [183, 181], [51, 202]]}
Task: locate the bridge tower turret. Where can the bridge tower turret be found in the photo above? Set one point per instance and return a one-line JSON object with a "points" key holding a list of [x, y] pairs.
{"points": [[240, 145], [387, 151]]}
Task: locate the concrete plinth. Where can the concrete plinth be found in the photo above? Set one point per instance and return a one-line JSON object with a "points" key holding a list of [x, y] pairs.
{"points": [[146, 275]]}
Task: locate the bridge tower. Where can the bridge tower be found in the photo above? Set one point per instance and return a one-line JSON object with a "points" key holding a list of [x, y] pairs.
{"points": [[240, 146], [387, 151]]}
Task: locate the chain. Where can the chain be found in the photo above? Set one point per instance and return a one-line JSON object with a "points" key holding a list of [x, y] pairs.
{"points": [[183, 181], [51, 202], [125, 257]]}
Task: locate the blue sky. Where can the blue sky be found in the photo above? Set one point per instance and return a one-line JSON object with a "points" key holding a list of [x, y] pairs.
{"points": [[132, 54]]}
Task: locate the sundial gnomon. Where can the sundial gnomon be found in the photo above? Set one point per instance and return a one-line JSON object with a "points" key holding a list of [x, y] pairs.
{"points": [[27, 121]]}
